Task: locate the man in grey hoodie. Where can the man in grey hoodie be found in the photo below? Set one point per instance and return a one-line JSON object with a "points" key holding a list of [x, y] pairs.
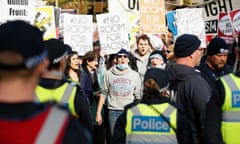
{"points": [[192, 91], [121, 86]]}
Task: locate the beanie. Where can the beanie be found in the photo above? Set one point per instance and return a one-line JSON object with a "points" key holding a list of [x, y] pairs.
{"points": [[56, 50], [159, 75], [123, 51], [24, 39], [217, 45], [186, 44]]}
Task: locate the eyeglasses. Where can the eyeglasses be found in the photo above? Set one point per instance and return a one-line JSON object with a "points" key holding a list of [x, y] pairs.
{"points": [[120, 56]]}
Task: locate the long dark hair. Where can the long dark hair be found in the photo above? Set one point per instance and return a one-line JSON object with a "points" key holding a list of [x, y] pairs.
{"points": [[68, 64]]}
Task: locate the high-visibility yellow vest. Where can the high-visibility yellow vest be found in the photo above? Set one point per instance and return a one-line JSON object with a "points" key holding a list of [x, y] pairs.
{"points": [[230, 125], [146, 125], [63, 95]]}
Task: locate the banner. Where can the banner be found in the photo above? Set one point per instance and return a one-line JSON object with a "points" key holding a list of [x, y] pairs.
{"points": [[190, 21], [152, 16], [77, 32], [113, 32], [45, 21], [17, 10], [126, 7]]}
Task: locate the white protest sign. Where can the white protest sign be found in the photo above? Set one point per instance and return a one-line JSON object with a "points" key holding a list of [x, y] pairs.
{"points": [[78, 31], [190, 21], [113, 32], [17, 10], [123, 6]]}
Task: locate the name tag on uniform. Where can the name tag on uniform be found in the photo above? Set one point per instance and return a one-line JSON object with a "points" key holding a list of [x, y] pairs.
{"points": [[150, 123], [236, 99]]}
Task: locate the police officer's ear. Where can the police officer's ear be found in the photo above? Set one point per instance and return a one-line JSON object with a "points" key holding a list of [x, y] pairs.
{"points": [[42, 67], [63, 63]]}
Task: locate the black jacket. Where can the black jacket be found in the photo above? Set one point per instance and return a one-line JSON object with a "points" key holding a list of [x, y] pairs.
{"points": [[214, 115], [192, 93], [210, 75]]}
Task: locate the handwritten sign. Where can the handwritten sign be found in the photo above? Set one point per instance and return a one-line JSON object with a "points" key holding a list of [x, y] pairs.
{"points": [[152, 16], [113, 32], [190, 21], [77, 32]]}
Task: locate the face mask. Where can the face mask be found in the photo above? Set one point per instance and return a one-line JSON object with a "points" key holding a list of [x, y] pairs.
{"points": [[122, 66]]}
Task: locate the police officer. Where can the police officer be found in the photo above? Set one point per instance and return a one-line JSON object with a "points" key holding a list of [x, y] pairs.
{"points": [[54, 86], [23, 59], [223, 111], [153, 120]]}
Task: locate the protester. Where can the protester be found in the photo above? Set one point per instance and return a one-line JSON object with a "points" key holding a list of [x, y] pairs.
{"points": [[153, 120], [157, 60], [90, 88], [215, 64], [139, 58], [101, 70], [23, 59], [121, 86], [192, 91], [72, 70], [54, 86]]}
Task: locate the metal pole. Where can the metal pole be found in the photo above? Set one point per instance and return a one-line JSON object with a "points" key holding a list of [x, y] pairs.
{"points": [[56, 3]]}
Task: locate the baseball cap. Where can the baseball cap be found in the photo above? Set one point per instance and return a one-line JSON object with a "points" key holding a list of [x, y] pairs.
{"points": [[24, 39], [123, 51], [57, 50]]}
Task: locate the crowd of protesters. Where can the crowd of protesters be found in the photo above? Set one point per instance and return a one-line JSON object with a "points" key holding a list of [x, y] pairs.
{"points": [[178, 92]]}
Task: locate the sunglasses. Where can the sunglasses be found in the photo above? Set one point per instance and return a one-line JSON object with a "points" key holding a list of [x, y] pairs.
{"points": [[120, 56]]}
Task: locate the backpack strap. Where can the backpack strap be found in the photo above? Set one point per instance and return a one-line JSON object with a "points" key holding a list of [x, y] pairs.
{"points": [[52, 126]]}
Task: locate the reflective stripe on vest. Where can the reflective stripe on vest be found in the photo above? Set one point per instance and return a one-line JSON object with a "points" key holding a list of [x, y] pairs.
{"points": [[63, 95], [52, 126], [231, 109], [144, 125], [67, 93]]}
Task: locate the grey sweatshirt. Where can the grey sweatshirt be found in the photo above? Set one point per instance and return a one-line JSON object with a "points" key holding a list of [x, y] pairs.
{"points": [[121, 88]]}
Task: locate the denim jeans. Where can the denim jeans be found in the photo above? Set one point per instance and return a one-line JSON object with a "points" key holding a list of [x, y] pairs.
{"points": [[113, 116]]}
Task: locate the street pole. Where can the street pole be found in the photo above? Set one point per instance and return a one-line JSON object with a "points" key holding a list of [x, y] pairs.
{"points": [[56, 3]]}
